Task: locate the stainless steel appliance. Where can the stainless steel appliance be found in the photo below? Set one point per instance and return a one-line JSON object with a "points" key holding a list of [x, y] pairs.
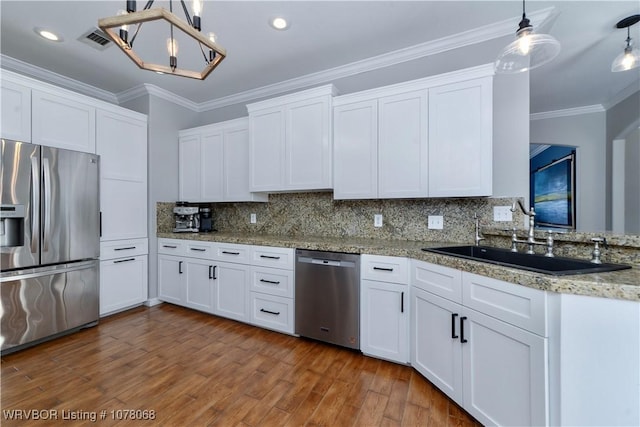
{"points": [[50, 243], [187, 218], [328, 297], [206, 221]]}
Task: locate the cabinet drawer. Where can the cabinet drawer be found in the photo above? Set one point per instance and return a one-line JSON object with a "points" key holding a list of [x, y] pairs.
{"points": [[272, 312], [384, 268], [268, 256], [442, 281], [233, 253], [172, 246], [199, 249], [123, 248], [272, 281], [518, 305]]}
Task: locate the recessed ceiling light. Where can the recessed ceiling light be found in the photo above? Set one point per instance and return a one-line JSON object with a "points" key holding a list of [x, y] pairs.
{"points": [[47, 34], [279, 23]]}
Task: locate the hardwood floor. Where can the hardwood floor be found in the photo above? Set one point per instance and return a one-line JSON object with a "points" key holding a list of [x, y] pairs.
{"points": [[186, 368]]}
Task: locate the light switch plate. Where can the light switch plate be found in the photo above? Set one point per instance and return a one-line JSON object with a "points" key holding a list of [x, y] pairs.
{"points": [[502, 213], [435, 222], [377, 220], [253, 219]]}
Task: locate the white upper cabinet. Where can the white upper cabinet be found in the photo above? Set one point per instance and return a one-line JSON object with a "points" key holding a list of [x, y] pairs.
{"points": [[16, 110], [460, 138], [63, 120], [402, 145], [356, 150], [121, 142], [214, 163], [425, 138], [290, 145]]}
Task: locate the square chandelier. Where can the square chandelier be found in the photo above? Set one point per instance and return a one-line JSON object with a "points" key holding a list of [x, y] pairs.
{"points": [[212, 53]]}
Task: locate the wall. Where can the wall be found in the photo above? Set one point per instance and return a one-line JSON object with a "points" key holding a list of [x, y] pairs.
{"points": [[586, 132], [622, 118], [317, 214], [632, 183], [165, 120]]}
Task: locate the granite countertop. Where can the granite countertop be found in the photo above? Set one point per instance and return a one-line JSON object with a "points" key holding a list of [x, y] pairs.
{"points": [[624, 284]]}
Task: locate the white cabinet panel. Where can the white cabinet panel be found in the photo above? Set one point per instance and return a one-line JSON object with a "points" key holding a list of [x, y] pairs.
{"points": [[384, 320], [308, 145], [63, 121], [16, 111], [402, 145], [123, 283], [268, 256], [266, 148], [356, 150], [123, 248], [170, 279], [200, 284], [121, 142], [232, 290], [442, 281], [272, 281], [211, 167], [384, 268], [189, 174], [505, 373], [460, 139], [272, 312], [236, 165]]}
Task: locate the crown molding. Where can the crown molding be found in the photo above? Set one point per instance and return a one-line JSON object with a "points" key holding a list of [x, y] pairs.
{"points": [[149, 89], [47, 76], [466, 38], [622, 95], [588, 109]]}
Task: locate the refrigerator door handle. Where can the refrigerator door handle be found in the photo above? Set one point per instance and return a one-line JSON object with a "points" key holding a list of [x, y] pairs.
{"points": [[46, 209], [35, 204]]}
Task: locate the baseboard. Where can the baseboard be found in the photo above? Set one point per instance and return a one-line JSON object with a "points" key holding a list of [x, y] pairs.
{"points": [[152, 301]]}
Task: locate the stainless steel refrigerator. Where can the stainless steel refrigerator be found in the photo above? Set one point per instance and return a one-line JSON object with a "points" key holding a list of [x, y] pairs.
{"points": [[50, 243]]}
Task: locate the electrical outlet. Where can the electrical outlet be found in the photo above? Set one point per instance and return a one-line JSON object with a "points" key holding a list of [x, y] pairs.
{"points": [[502, 213], [436, 222], [377, 220], [253, 219]]}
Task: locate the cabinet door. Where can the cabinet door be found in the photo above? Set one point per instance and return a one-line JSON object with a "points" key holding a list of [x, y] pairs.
{"points": [[355, 150], [62, 121], [121, 142], [232, 291], [460, 139], [16, 111], [505, 373], [211, 167], [384, 320], [200, 285], [308, 145], [266, 150], [123, 283], [402, 146], [436, 351], [236, 167], [171, 273], [189, 168]]}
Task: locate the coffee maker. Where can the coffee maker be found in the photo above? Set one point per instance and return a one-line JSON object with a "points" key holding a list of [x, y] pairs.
{"points": [[187, 218]]}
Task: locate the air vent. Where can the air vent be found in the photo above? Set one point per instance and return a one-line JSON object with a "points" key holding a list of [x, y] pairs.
{"points": [[96, 39]]}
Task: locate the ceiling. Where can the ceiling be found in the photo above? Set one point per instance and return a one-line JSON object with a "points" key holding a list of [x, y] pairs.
{"points": [[355, 44]]}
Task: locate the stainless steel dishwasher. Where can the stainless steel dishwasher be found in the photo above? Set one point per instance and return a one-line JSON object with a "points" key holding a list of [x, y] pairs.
{"points": [[328, 297]]}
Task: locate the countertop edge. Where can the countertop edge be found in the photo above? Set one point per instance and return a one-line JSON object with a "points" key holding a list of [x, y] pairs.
{"points": [[623, 284]]}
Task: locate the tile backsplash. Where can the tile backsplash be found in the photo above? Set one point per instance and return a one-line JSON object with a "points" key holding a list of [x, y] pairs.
{"points": [[317, 214]]}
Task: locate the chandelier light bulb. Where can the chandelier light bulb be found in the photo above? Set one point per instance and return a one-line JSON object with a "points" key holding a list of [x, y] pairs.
{"points": [[630, 57], [524, 43], [172, 46], [196, 6]]}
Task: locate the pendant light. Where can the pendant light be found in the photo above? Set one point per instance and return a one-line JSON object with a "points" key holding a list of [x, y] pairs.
{"points": [[629, 58], [529, 50]]}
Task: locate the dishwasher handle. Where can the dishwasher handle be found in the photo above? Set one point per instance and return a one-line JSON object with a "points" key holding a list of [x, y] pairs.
{"points": [[327, 262]]}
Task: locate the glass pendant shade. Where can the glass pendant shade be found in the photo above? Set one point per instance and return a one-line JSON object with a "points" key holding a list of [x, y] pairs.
{"points": [[627, 60], [528, 51]]}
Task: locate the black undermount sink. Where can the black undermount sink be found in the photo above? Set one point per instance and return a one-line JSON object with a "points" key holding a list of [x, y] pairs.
{"points": [[556, 266]]}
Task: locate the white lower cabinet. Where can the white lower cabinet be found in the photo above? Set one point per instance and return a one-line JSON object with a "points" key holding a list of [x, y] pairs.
{"points": [[200, 285], [123, 275], [232, 290], [272, 312], [384, 307], [170, 282], [496, 370]]}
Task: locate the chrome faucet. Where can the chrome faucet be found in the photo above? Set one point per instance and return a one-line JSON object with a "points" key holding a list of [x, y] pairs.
{"points": [[595, 255], [530, 240], [479, 235]]}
